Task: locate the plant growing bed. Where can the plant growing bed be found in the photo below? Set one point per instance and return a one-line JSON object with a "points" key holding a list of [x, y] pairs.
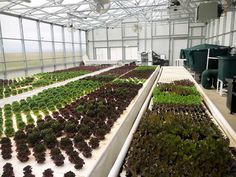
{"points": [[19, 85], [118, 71], [178, 138], [48, 101], [73, 135], [141, 72]]}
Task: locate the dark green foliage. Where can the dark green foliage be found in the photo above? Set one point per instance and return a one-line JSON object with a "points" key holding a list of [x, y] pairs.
{"points": [[8, 170], [69, 174], [178, 145]]}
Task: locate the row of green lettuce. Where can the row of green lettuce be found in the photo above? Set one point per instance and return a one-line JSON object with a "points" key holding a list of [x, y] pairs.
{"points": [[20, 113], [20, 85]]}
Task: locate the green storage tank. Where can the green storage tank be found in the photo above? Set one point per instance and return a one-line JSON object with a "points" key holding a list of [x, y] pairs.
{"points": [[196, 57], [227, 67], [209, 78]]}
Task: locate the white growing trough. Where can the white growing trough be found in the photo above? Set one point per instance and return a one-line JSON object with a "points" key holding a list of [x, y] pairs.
{"points": [[102, 158]]}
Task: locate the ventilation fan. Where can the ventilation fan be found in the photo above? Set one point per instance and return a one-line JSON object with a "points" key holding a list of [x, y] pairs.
{"points": [[174, 5], [71, 25], [100, 6], [137, 28]]}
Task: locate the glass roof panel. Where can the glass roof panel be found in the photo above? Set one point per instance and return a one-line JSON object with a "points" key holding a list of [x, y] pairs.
{"points": [[71, 1], [119, 10], [20, 11], [52, 9], [2, 4], [83, 7], [18, 7], [35, 3]]}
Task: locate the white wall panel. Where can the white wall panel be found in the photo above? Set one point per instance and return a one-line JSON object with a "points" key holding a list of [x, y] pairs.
{"points": [[161, 29], [207, 30], [234, 39], [130, 43], [142, 46], [115, 43], [142, 32], [90, 48], [100, 34], [196, 31], [178, 45], [228, 21], [216, 27], [227, 40], [101, 53], [131, 53], [149, 30], [129, 30], [181, 29], [161, 46], [235, 22], [196, 42], [220, 40], [100, 44], [221, 25], [90, 34], [114, 34], [116, 53], [149, 45]]}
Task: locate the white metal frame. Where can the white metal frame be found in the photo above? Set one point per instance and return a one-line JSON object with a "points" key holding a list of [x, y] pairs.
{"points": [[85, 18]]}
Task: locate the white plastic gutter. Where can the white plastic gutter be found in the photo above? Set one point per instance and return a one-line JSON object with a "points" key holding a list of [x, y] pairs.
{"points": [[120, 159]]}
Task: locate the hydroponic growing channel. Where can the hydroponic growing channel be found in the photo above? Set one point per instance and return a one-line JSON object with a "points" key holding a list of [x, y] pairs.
{"points": [[177, 137], [71, 127]]}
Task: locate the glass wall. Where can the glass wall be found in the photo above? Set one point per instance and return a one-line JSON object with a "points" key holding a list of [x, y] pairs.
{"points": [[26, 44]]}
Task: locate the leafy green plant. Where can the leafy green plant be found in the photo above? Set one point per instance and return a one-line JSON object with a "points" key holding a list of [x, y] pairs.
{"points": [[171, 94], [143, 68], [178, 145]]}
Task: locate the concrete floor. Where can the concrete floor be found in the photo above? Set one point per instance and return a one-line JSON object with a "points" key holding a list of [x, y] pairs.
{"points": [[220, 103]]}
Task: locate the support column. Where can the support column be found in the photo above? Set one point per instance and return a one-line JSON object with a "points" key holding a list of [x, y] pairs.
{"points": [[232, 28], [40, 47], [108, 48], [64, 47], [73, 47], [53, 47], [23, 46], [3, 54]]}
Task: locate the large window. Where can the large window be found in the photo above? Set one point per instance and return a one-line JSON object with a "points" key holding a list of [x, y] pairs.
{"points": [[38, 37], [76, 36], [32, 53], [13, 50], [83, 37], [45, 30], [68, 35], [10, 27], [30, 29], [57, 33]]}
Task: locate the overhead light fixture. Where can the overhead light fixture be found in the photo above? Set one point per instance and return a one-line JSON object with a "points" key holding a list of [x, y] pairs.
{"points": [[174, 4]]}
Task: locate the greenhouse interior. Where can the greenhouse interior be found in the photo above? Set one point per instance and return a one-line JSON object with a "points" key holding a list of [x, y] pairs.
{"points": [[118, 88]]}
